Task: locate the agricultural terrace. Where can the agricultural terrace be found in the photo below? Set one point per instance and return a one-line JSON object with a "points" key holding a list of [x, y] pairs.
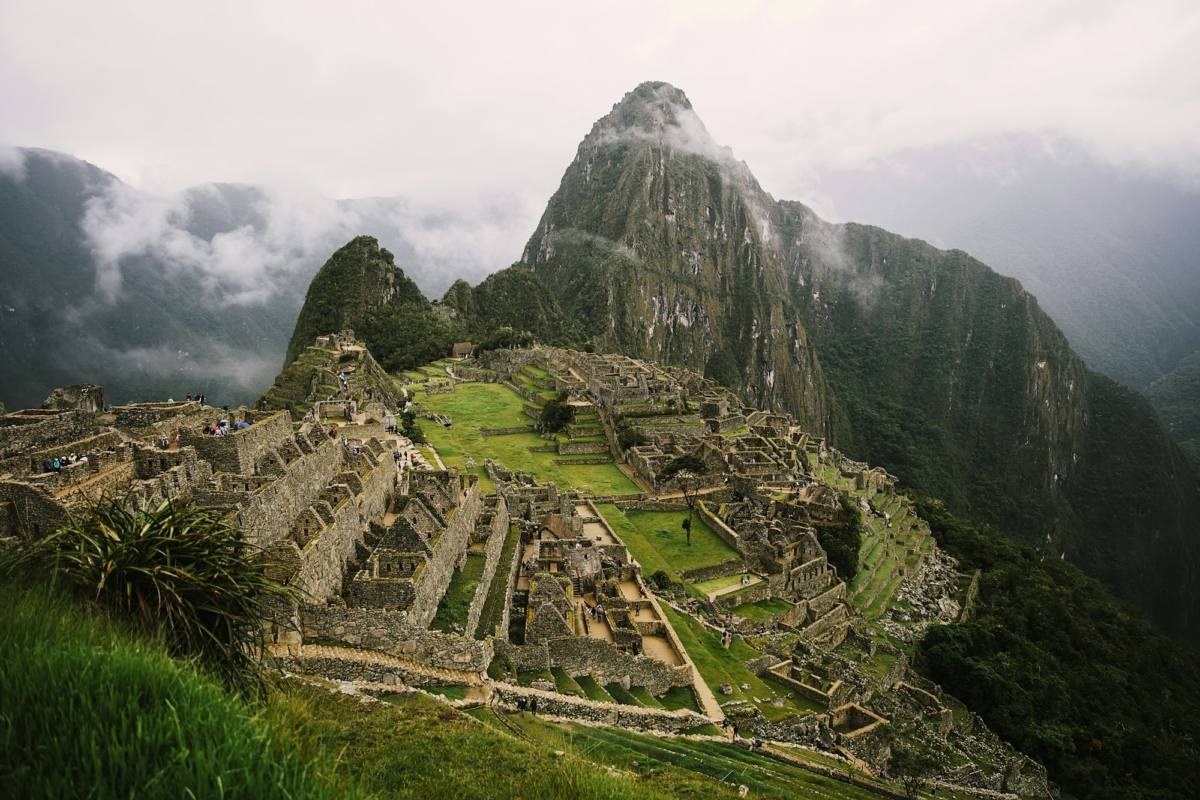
{"points": [[492, 405], [657, 540]]}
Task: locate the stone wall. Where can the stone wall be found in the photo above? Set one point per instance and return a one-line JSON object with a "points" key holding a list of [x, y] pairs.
{"points": [[32, 511], [390, 632], [267, 516], [750, 594], [730, 566], [582, 448], [448, 548], [495, 546], [634, 717], [506, 431], [582, 655], [25, 431], [724, 531], [240, 451]]}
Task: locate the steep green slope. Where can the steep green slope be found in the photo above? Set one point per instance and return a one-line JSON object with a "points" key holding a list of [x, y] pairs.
{"points": [[1072, 677], [921, 360], [952, 377], [1176, 396], [658, 243], [511, 298]]}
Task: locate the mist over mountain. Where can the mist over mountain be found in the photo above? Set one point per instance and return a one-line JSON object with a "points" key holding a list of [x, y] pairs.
{"points": [[1111, 252], [156, 296], [926, 361]]}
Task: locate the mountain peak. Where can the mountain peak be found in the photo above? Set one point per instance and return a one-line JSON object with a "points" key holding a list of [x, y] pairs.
{"points": [[658, 112]]}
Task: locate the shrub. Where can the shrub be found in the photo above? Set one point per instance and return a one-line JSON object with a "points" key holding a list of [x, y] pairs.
{"points": [[170, 570]]}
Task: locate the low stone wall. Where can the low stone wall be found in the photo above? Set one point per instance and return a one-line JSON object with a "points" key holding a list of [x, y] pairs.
{"points": [[583, 461], [634, 717], [653, 505], [582, 448], [476, 374], [724, 531], [582, 655], [495, 546], [389, 632], [726, 568], [750, 594], [506, 431]]}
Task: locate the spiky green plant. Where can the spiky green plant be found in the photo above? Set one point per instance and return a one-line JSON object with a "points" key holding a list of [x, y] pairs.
{"points": [[174, 571]]}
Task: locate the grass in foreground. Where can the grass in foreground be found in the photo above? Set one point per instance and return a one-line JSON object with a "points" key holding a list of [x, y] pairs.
{"points": [[417, 747], [86, 710]]}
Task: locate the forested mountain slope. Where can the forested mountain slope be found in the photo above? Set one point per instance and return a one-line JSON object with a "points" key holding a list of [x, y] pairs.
{"points": [[922, 360]]}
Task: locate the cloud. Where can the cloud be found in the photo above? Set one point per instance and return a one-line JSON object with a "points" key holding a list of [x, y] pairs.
{"points": [[12, 163], [244, 264]]}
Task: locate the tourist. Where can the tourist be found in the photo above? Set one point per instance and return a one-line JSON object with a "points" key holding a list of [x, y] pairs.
{"points": [[46, 466], [189, 397], [533, 704], [522, 702]]}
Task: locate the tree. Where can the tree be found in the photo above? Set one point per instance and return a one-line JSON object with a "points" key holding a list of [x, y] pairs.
{"points": [[914, 765], [686, 470], [556, 414], [408, 425]]}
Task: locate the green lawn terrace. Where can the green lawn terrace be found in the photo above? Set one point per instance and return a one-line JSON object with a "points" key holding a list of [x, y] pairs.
{"points": [[478, 407], [895, 542], [657, 541]]}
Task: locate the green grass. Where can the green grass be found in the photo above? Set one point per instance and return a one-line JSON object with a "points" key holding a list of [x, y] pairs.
{"points": [[643, 754], [449, 692], [492, 405], [418, 748], [657, 541], [456, 603], [763, 609], [86, 710], [678, 697], [493, 606], [713, 584], [719, 665], [565, 683], [525, 678], [593, 690], [645, 698], [621, 694]]}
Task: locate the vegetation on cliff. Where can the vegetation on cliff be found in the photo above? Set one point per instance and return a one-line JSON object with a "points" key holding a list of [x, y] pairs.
{"points": [[1176, 397], [923, 361], [1057, 666]]}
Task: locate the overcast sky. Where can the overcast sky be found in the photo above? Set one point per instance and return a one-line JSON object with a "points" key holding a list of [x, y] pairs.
{"points": [[442, 100]]}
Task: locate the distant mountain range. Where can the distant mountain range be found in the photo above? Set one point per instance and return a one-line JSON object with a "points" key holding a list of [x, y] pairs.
{"points": [[156, 296]]}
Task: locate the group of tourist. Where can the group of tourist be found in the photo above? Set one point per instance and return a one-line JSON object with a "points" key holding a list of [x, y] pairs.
{"points": [[527, 702], [57, 464], [164, 443], [199, 398], [222, 428]]}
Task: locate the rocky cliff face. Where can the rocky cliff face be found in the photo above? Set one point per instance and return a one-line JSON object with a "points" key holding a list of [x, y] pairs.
{"points": [[924, 361], [661, 245]]}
